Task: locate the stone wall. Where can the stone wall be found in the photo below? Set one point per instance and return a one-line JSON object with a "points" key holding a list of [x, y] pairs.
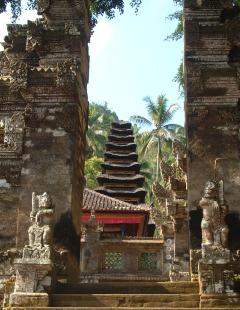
{"points": [[43, 105], [212, 64]]}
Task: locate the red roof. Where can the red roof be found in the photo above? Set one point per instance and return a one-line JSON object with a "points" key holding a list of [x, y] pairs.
{"points": [[96, 201]]}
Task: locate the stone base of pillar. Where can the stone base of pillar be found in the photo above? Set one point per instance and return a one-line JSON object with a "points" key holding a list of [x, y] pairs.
{"points": [[219, 301], [29, 300]]}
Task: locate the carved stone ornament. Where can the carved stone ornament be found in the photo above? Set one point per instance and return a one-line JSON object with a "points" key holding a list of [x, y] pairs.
{"points": [[34, 35], [66, 73], [43, 6], [214, 228], [18, 76], [13, 133], [40, 232]]}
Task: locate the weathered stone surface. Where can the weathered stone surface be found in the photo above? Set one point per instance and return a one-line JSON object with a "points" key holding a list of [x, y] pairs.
{"points": [[212, 100], [45, 148], [29, 300]]}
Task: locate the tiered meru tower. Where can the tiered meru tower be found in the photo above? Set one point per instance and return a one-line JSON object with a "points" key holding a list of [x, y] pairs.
{"points": [[120, 176]]}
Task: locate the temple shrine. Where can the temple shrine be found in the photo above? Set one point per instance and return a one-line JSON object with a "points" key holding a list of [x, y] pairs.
{"points": [[118, 202], [120, 218]]}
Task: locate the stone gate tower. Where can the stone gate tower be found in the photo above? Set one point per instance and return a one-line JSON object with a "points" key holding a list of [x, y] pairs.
{"points": [[212, 76], [43, 113]]}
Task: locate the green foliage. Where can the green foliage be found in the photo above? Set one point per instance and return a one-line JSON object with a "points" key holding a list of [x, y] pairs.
{"points": [[178, 16], [92, 170], [99, 123], [179, 78], [97, 7]]}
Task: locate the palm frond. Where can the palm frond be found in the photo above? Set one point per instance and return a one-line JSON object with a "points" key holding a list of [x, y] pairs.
{"points": [[140, 120], [169, 113]]}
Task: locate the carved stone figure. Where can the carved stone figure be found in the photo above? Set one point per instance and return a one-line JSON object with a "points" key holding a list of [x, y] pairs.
{"points": [[214, 228], [18, 75], [40, 232]]}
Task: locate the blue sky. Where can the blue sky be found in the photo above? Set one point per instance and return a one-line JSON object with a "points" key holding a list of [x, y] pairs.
{"points": [[129, 58]]}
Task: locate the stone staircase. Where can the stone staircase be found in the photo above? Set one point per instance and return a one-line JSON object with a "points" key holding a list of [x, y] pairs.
{"points": [[127, 295]]}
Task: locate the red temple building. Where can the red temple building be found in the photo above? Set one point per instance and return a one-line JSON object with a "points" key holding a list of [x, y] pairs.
{"points": [[119, 201]]}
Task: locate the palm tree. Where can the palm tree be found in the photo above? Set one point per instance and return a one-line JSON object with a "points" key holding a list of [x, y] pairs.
{"points": [[163, 131]]}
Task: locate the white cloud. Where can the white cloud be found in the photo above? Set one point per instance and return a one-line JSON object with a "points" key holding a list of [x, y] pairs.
{"points": [[103, 33]]}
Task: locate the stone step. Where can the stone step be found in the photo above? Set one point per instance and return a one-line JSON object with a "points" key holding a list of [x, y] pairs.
{"points": [[126, 300], [113, 308], [185, 287]]}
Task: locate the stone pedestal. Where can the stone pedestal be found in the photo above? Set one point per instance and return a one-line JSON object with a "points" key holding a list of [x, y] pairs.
{"points": [[29, 300], [34, 271], [33, 281], [33, 275], [217, 284]]}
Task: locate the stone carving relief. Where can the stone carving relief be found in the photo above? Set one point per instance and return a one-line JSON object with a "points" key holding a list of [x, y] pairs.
{"points": [[66, 73], [18, 76], [4, 65], [40, 232], [72, 29], [160, 213], [216, 279], [13, 133], [214, 228]]}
